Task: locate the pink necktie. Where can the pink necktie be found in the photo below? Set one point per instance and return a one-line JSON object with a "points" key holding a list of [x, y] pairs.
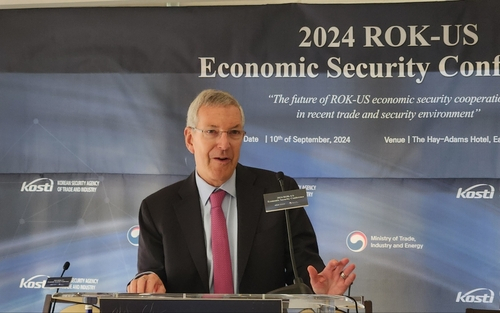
{"points": [[223, 274]]}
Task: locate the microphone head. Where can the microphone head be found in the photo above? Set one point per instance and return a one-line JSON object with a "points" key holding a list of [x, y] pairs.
{"points": [[66, 265], [279, 177]]}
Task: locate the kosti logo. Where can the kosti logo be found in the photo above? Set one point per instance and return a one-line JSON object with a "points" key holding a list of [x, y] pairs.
{"points": [[35, 282], [479, 295], [38, 185], [479, 191]]}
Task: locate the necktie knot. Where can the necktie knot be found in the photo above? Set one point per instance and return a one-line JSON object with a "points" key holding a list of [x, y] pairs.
{"points": [[217, 197]]}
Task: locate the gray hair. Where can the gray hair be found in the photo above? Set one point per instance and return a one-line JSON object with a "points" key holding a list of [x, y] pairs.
{"points": [[213, 98]]}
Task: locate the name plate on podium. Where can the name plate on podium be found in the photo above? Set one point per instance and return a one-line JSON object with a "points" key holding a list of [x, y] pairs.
{"points": [[208, 303], [58, 282], [199, 305]]}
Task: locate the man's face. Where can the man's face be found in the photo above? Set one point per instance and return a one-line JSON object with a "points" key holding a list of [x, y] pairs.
{"points": [[215, 158]]}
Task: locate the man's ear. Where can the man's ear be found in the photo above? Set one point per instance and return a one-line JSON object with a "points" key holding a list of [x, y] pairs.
{"points": [[188, 138]]}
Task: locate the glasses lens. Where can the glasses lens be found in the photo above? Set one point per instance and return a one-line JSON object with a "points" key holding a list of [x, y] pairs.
{"points": [[235, 133], [214, 133], [211, 133]]}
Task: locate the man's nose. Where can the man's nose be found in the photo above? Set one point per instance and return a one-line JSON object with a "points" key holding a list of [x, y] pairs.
{"points": [[223, 141]]}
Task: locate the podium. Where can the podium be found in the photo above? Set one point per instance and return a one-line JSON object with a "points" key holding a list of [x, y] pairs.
{"points": [[200, 303]]}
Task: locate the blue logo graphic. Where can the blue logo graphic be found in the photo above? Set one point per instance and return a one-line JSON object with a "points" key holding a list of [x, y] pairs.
{"points": [[356, 241], [133, 235]]}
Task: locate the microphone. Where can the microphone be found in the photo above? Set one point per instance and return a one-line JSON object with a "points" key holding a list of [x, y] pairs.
{"points": [[65, 267], [298, 287]]}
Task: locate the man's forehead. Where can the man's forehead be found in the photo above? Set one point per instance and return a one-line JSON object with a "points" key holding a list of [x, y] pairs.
{"points": [[215, 115]]}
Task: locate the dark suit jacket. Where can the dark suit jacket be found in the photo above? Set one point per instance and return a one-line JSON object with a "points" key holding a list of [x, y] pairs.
{"points": [[172, 243]]}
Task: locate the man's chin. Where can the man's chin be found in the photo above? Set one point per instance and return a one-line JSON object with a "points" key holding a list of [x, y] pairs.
{"points": [[223, 174]]}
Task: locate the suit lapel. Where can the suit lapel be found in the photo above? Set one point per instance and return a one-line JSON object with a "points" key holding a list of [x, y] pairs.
{"points": [[249, 201], [189, 216]]}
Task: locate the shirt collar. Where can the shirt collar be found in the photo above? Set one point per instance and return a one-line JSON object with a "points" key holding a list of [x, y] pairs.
{"points": [[205, 190]]}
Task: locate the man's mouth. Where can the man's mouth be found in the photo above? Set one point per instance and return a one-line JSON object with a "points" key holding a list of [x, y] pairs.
{"points": [[222, 159]]}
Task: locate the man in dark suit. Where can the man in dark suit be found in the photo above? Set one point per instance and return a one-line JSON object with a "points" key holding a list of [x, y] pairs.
{"points": [[175, 253]]}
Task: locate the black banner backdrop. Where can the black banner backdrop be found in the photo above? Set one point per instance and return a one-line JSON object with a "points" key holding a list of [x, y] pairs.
{"points": [[385, 113]]}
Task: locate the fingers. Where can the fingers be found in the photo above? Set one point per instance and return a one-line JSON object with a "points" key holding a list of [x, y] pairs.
{"points": [[132, 288], [312, 270], [313, 273], [348, 269], [341, 269], [331, 265], [160, 288], [334, 265], [348, 274], [350, 279], [149, 283], [138, 285]]}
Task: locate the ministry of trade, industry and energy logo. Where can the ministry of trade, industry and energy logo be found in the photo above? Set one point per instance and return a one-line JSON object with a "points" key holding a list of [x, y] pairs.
{"points": [[133, 235], [356, 241]]}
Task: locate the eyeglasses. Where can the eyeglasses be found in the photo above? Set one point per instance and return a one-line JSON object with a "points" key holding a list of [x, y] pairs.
{"points": [[235, 134]]}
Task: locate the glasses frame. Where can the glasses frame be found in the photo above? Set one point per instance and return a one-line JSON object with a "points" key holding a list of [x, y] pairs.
{"points": [[218, 133]]}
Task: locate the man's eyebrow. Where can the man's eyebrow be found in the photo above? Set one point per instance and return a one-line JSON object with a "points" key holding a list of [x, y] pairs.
{"points": [[216, 126]]}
